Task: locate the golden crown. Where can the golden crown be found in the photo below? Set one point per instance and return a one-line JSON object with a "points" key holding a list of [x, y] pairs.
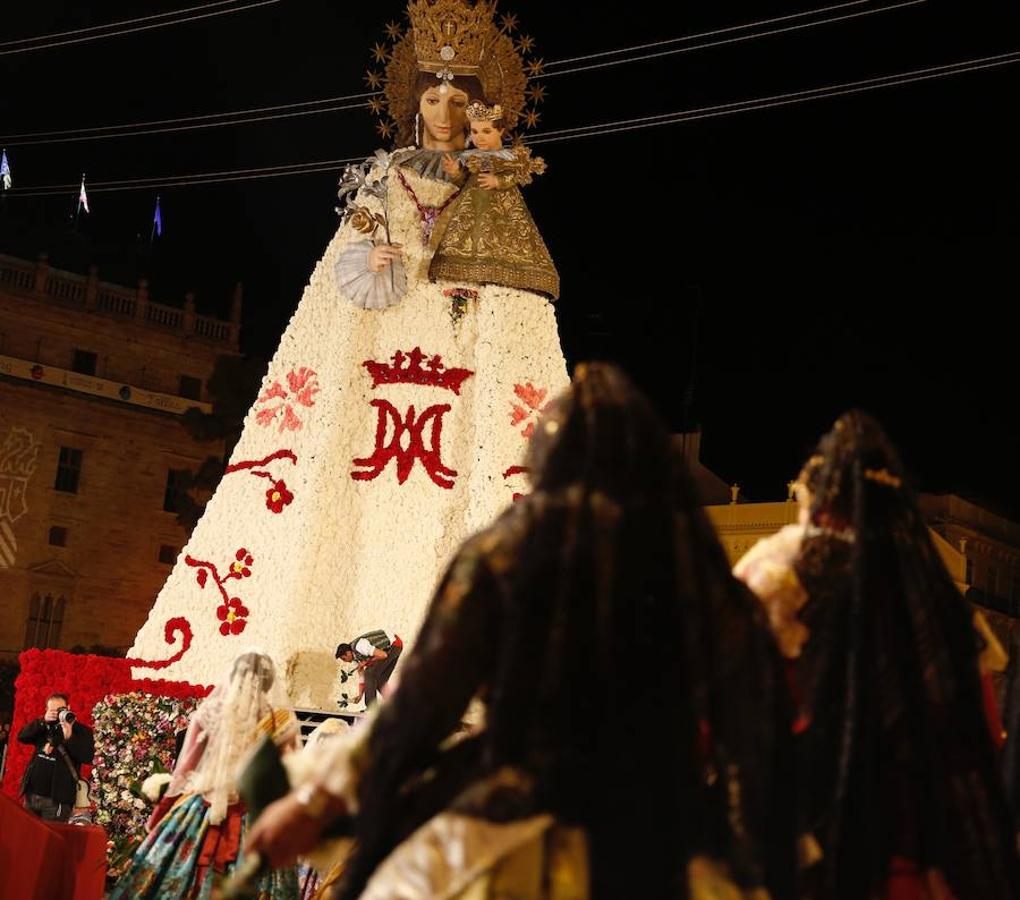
{"points": [[450, 38], [479, 112], [449, 35]]}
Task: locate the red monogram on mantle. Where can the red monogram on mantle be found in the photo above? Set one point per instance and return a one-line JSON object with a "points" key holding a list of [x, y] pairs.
{"points": [[410, 437], [406, 444], [407, 368]]}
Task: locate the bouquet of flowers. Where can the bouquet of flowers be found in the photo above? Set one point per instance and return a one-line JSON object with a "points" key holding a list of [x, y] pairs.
{"points": [[134, 754]]}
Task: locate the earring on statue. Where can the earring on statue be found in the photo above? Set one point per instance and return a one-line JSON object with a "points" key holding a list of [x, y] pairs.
{"points": [[417, 129]]}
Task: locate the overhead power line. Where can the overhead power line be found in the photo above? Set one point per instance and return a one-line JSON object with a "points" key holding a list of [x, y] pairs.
{"points": [[130, 26], [705, 112], [165, 129], [703, 34], [259, 114], [27, 138], [129, 184], [785, 99], [736, 39]]}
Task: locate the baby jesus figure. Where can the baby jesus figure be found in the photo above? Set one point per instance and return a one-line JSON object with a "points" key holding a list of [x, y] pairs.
{"points": [[490, 237]]}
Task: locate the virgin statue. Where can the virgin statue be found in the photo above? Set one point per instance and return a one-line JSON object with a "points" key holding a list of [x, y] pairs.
{"points": [[394, 416]]}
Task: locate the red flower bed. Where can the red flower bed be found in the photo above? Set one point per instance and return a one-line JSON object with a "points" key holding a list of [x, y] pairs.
{"points": [[86, 680]]}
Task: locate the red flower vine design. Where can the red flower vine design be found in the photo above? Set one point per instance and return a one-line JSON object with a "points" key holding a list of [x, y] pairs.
{"points": [[533, 399], [178, 625], [279, 402], [278, 495], [232, 613], [510, 473]]}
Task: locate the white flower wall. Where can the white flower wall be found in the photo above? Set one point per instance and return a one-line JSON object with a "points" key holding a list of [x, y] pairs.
{"points": [[351, 485]]}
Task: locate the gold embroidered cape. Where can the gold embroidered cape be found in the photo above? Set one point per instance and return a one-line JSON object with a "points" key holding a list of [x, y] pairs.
{"points": [[490, 237]]}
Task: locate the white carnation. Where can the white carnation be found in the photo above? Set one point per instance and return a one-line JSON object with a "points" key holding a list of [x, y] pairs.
{"points": [[154, 785]]}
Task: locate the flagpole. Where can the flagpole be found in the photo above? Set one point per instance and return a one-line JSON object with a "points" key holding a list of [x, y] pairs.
{"points": [[5, 177], [77, 208]]}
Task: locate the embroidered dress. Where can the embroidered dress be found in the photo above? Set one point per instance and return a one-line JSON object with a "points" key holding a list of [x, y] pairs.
{"points": [[185, 855], [491, 237], [199, 840]]}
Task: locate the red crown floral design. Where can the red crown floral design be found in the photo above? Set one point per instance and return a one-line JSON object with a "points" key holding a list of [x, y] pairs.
{"points": [[407, 368]]}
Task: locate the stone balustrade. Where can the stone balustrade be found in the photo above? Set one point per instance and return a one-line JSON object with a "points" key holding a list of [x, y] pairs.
{"points": [[89, 293]]}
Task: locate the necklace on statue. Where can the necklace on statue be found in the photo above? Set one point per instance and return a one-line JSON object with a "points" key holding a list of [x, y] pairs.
{"points": [[428, 214]]}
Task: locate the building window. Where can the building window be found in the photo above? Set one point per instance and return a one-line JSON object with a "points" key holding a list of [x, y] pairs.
{"points": [[58, 536], [1015, 590], [992, 581], [84, 362], [173, 482], [969, 577], [190, 388], [68, 470], [167, 554], [45, 618]]}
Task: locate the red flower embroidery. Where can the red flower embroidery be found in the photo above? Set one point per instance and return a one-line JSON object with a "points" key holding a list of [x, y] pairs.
{"points": [[278, 402], [277, 497], [534, 403], [240, 567], [232, 613], [511, 473]]}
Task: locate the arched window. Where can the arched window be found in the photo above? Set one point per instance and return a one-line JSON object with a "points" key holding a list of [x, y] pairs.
{"points": [[45, 619]]}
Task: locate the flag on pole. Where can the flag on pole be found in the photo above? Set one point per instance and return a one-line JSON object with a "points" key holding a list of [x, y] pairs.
{"points": [[5, 171], [83, 200], [157, 220]]}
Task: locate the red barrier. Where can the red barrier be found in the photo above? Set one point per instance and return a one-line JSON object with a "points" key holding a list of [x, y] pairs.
{"points": [[33, 857]]}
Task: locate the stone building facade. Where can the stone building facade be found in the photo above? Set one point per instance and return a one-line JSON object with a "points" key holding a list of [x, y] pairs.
{"points": [[94, 381]]}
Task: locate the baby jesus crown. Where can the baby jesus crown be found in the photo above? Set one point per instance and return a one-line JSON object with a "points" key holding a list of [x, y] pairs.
{"points": [[479, 112]]}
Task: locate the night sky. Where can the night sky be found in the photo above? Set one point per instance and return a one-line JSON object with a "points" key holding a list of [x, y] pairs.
{"points": [[855, 251]]}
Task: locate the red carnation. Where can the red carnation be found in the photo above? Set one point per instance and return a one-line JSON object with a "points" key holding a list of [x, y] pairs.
{"points": [[277, 497], [232, 616]]}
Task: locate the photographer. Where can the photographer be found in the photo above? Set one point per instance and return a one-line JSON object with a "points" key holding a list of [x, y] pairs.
{"points": [[63, 745]]}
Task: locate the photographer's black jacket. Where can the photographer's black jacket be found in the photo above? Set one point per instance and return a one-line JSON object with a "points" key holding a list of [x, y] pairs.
{"points": [[80, 747]]}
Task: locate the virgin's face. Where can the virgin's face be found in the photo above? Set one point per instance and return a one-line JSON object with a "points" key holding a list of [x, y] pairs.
{"points": [[444, 117]]}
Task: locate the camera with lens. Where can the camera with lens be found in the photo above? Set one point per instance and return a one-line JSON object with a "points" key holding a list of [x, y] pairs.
{"points": [[64, 716], [55, 733]]}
